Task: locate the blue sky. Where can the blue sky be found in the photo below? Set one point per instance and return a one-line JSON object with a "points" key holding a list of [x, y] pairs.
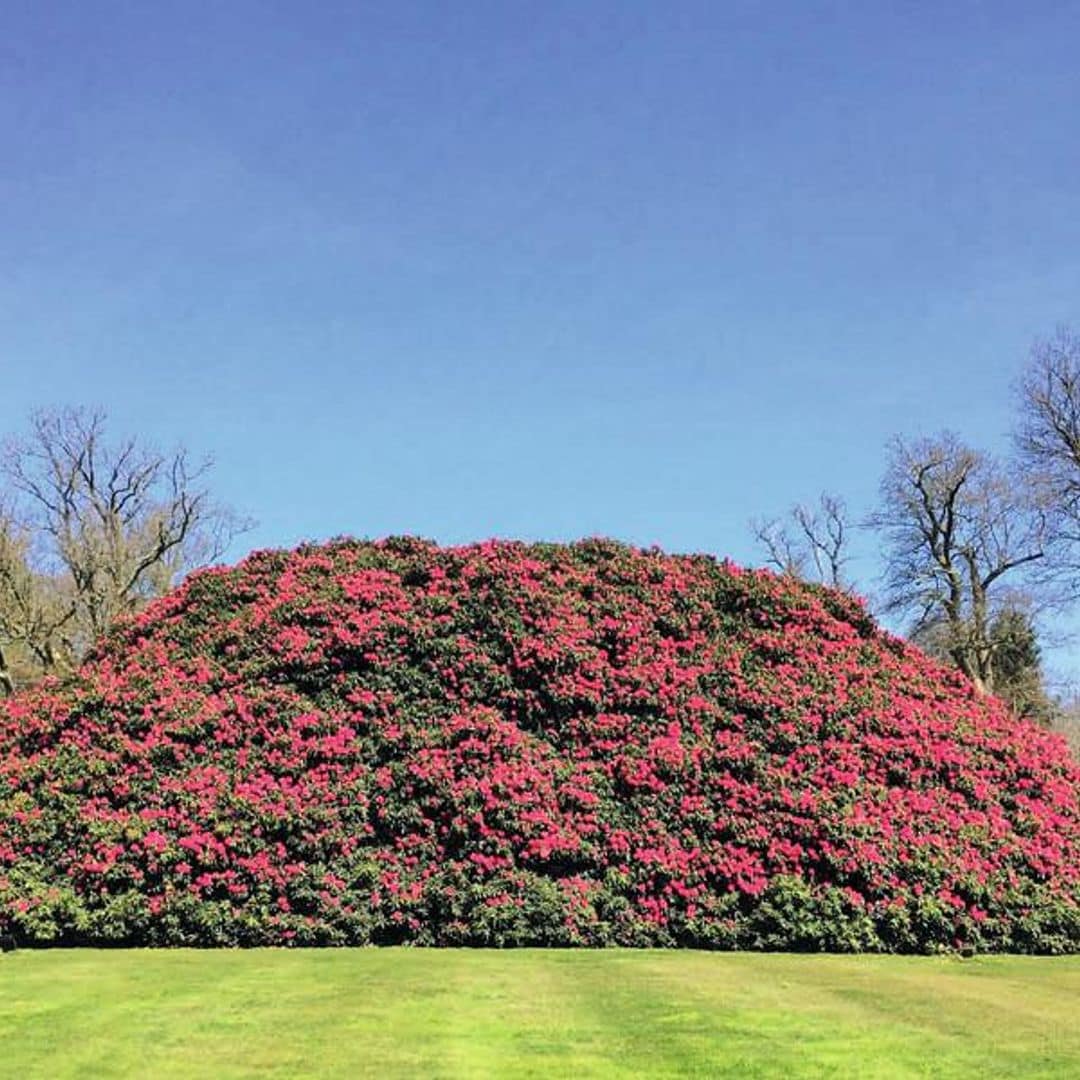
{"points": [[536, 270]]}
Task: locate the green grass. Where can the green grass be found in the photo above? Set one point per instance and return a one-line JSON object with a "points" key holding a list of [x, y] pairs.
{"points": [[402, 1012]]}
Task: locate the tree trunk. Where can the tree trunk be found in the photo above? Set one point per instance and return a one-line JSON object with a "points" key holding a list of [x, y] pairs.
{"points": [[7, 684]]}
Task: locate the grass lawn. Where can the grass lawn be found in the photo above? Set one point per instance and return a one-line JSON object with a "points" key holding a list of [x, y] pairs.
{"points": [[403, 1012]]}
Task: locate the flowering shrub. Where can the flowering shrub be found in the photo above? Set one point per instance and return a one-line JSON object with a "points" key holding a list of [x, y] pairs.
{"points": [[510, 744]]}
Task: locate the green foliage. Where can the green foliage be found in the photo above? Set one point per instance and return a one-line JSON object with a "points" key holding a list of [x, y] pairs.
{"points": [[1018, 677]]}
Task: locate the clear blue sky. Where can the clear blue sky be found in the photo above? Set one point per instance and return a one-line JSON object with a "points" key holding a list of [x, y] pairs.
{"points": [[537, 270]]}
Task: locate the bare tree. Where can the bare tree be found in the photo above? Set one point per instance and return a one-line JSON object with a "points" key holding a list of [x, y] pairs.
{"points": [[92, 530], [809, 537], [1048, 443], [963, 540], [782, 553], [35, 609]]}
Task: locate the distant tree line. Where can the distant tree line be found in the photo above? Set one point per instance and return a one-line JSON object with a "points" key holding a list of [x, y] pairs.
{"points": [[978, 550]]}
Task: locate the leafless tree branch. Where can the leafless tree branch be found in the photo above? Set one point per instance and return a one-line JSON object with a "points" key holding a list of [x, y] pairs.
{"points": [[814, 536], [963, 536], [92, 531]]}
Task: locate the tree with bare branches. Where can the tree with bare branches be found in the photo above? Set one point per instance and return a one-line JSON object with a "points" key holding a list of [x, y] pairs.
{"points": [[964, 541], [91, 530], [1048, 443], [811, 543]]}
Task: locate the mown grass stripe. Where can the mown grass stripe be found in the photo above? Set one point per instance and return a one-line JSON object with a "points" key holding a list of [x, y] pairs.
{"points": [[533, 1013]]}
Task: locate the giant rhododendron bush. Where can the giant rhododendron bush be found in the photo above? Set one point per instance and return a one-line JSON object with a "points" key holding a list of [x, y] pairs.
{"points": [[508, 744]]}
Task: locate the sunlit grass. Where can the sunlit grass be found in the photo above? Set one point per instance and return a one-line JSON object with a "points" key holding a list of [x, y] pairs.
{"points": [[404, 1012]]}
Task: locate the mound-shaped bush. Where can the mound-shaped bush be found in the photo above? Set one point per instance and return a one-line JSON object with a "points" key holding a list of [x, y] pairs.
{"points": [[506, 744]]}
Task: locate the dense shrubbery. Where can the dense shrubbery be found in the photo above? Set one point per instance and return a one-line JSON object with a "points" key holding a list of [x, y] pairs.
{"points": [[506, 744]]}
